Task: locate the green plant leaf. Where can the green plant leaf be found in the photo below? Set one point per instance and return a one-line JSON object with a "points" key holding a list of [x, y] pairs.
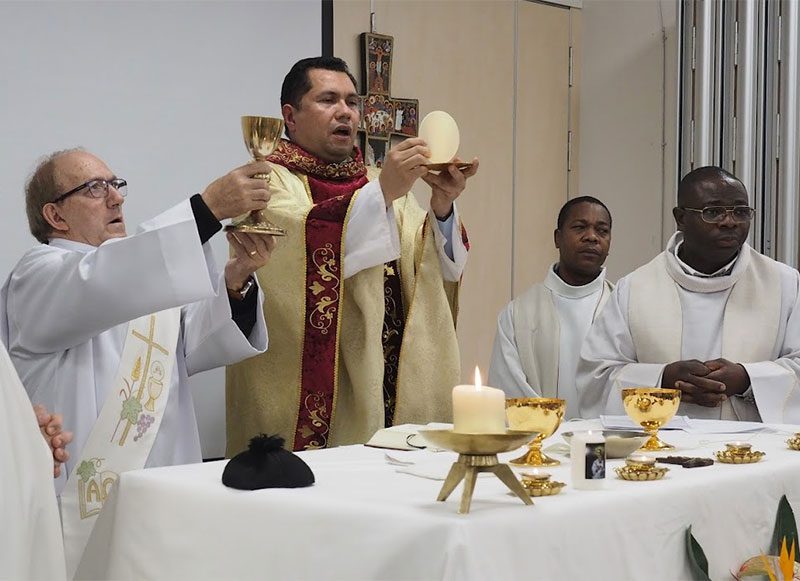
{"points": [[785, 526], [697, 557]]}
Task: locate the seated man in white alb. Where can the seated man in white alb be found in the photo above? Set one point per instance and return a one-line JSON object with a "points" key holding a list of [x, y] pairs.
{"points": [[106, 329], [539, 334], [709, 316]]}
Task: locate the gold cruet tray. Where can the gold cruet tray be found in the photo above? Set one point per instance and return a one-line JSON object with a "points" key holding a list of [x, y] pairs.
{"points": [[641, 473], [739, 457]]}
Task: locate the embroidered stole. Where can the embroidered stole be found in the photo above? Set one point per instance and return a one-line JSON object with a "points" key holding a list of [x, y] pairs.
{"points": [[126, 428], [538, 334], [750, 323]]}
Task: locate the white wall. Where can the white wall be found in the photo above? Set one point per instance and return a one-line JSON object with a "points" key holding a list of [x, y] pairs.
{"points": [[156, 90], [627, 106]]}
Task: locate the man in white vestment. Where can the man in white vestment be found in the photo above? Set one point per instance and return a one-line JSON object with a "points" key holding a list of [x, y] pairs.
{"points": [[31, 547], [540, 333], [709, 316], [91, 317]]}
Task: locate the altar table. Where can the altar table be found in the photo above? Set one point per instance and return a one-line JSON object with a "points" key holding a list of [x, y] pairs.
{"points": [[367, 518]]}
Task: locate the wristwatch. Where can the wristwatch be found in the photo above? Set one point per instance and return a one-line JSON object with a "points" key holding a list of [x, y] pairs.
{"points": [[242, 292]]}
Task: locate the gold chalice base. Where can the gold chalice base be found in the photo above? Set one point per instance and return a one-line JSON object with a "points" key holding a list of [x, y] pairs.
{"points": [[478, 453], [794, 442], [641, 473], [655, 444], [739, 457]]}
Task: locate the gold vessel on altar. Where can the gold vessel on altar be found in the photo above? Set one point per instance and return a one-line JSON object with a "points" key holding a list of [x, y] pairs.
{"points": [[641, 468], [535, 414], [540, 484], [794, 442], [651, 408], [739, 453]]}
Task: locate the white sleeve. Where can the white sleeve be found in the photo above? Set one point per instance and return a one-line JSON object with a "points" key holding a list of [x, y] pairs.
{"points": [[58, 298], [608, 359], [371, 237], [452, 267], [505, 369], [213, 339]]}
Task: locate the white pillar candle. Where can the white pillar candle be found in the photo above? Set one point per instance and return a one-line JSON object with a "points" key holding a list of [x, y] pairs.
{"points": [[478, 409], [588, 458]]}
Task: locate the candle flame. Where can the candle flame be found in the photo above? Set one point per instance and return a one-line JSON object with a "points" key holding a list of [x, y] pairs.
{"points": [[477, 378]]}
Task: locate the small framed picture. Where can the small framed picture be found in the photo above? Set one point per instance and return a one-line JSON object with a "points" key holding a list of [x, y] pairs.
{"points": [[595, 467], [406, 117], [377, 61]]}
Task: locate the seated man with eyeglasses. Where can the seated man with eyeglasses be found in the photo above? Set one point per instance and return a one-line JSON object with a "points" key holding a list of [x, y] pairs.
{"points": [[106, 328], [709, 316]]}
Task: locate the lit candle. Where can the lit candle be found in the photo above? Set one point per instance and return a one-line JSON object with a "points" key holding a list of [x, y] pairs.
{"points": [[537, 475], [478, 409], [588, 458]]}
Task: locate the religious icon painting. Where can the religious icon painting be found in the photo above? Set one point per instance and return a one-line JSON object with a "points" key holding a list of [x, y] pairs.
{"points": [[377, 49], [378, 116], [406, 117]]}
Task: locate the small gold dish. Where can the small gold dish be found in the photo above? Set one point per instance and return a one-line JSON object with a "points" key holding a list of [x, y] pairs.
{"points": [[540, 484], [739, 453], [641, 469], [794, 442]]}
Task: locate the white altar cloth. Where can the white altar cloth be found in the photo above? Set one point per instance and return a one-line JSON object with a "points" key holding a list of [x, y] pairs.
{"points": [[365, 520]]}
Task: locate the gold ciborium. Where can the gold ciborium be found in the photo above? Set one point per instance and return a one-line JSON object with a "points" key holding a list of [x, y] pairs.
{"points": [[651, 408], [261, 137], [535, 414], [477, 453]]}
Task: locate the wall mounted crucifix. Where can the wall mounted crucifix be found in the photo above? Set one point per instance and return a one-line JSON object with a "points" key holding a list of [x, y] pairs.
{"points": [[382, 115]]}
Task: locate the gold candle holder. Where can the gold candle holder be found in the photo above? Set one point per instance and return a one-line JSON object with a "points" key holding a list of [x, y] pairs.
{"points": [[539, 484], [739, 453], [478, 453], [535, 414], [794, 442], [640, 467]]}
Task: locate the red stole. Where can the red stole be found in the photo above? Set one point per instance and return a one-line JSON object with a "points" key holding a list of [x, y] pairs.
{"points": [[332, 188]]}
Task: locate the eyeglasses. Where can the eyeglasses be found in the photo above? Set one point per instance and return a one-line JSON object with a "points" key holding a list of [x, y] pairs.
{"points": [[716, 214], [98, 188]]}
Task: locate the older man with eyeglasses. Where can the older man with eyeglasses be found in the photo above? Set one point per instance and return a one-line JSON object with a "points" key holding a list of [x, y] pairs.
{"points": [[106, 328], [709, 316]]}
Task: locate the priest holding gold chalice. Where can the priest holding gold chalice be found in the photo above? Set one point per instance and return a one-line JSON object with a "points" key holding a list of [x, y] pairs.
{"points": [[363, 287]]}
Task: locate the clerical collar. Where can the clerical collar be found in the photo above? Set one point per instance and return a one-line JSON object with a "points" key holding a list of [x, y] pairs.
{"points": [[294, 157], [724, 271], [555, 284], [694, 281]]}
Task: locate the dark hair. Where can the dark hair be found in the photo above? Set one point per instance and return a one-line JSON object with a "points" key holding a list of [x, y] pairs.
{"points": [[562, 214], [708, 174], [296, 83]]}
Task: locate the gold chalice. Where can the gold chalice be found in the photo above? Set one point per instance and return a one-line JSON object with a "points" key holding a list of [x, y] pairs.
{"points": [[261, 137], [651, 408], [535, 414]]}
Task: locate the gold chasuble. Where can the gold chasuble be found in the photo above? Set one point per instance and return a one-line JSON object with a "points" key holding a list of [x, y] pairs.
{"points": [[346, 357]]}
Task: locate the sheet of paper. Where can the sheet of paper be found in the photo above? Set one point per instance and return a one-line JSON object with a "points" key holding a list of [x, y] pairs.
{"points": [[727, 427]]}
